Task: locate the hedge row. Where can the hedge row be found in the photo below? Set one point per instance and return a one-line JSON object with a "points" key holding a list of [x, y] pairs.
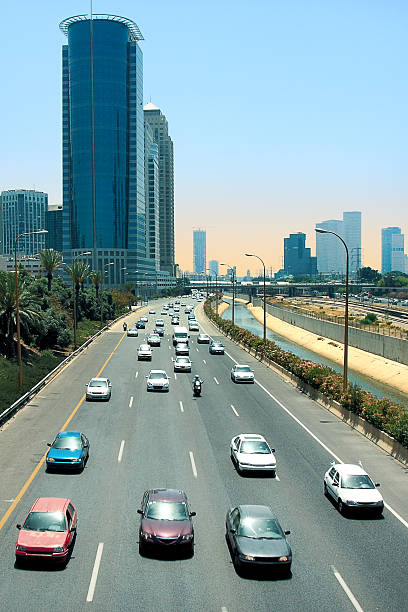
{"points": [[382, 413]]}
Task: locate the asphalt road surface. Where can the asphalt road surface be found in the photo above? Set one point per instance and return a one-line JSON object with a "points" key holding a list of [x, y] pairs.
{"points": [[141, 440]]}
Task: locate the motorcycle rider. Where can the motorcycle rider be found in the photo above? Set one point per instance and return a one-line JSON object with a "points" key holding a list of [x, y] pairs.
{"points": [[124, 326], [197, 382]]}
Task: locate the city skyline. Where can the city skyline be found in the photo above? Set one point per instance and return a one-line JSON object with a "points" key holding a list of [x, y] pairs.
{"points": [[334, 139]]}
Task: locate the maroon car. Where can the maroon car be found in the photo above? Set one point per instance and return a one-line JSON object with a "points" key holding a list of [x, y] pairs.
{"points": [[166, 521]]}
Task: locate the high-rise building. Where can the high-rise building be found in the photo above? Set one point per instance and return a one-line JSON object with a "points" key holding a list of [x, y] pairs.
{"points": [[103, 146], [199, 251], [390, 242], [297, 258], [152, 197], [397, 253], [213, 267], [330, 252], [24, 210], [53, 223], [158, 122]]}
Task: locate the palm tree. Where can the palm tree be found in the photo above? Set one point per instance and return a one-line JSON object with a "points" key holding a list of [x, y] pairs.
{"points": [[50, 260], [96, 277], [29, 307], [83, 271], [77, 273]]}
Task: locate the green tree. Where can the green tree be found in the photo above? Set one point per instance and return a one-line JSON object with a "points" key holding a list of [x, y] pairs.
{"points": [[368, 275], [77, 273], [50, 260], [96, 277]]}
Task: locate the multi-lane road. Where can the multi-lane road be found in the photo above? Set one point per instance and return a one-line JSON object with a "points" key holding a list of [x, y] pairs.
{"points": [[142, 440]]}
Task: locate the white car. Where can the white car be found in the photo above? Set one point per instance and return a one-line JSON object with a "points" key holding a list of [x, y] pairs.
{"points": [[182, 364], [132, 332], [252, 452], [193, 326], [157, 381], [242, 373], [160, 322], [144, 318], [351, 487], [152, 311], [99, 389], [144, 352], [153, 340], [182, 349]]}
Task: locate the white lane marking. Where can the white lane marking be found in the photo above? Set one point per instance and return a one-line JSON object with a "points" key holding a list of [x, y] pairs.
{"points": [[216, 381], [169, 348], [193, 465], [347, 590], [197, 350], [175, 376], [136, 374], [204, 361], [234, 410], [277, 477], [122, 444], [131, 401], [397, 516], [95, 571], [224, 609], [181, 406]]}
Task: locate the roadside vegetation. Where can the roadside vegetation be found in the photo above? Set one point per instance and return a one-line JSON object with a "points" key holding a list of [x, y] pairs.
{"points": [[384, 414]]}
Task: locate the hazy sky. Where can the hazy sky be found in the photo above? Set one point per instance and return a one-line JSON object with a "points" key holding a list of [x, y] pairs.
{"points": [[283, 113]]}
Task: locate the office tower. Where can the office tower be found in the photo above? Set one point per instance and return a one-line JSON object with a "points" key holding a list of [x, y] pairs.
{"points": [[158, 122], [388, 242], [397, 253], [330, 252], [152, 197], [213, 266], [103, 146], [297, 258], [24, 210], [199, 251], [53, 223]]}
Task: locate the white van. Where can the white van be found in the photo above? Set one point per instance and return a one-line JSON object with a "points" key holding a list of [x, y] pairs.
{"points": [[180, 335]]}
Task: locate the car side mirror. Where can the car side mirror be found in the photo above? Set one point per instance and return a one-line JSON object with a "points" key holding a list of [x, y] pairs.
{"points": [[193, 513], [72, 530], [139, 511], [18, 526], [377, 484], [232, 530], [273, 450], [48, 443], [287, 532], [147, 377], [110, 384]]}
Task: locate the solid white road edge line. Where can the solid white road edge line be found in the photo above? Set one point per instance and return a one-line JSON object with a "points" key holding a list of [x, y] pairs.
{"points": [[234, 411], [95, 571], [131, 401], [193, 465], [347, 590], [122, 444], [181, 406]]}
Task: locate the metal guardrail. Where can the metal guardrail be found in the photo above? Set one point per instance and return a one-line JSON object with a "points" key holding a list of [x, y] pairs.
{"points": [[6, 414]]}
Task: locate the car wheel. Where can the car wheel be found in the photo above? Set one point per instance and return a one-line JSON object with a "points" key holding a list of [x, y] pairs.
{"points": [[342, 508], [325, 491], [273, 473], [142, 549], [237, 563]]}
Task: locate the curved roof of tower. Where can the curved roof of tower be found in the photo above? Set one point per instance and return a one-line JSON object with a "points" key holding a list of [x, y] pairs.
{"points": [[150, 106], [134, 32]]}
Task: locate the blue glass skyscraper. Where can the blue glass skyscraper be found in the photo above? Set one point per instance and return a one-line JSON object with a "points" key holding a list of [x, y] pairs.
{"points": [[103, 145]]}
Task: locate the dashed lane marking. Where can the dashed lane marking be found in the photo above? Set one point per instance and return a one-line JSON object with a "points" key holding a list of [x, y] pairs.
{"points": [[193, 465], [131, 401], [95, 571], [181, 406], [234, 410], [216, 381], [122, 444], [347, 590]]}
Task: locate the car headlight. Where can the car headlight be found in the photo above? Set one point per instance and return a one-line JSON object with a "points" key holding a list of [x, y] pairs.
{"points": [[75, 460], [350, 502], [50, 459], [283, 558], [21, 548], [247, 557], [188, 536], [58, 549], [147, 536]]}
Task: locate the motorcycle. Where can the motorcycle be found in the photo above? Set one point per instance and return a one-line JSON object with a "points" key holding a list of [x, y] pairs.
{"points": [[124, 326], [197, 388]]}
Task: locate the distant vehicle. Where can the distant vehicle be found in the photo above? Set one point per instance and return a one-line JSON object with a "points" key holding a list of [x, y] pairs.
{"points": [[144, 319], [216, 348], [98, 389], [175, 321], [166, 521], [203, 339], [132, 332], [152, 311], [251, 452], [256, 539], [70, 450], [182, 364], [159, 323], [159, 331], [153, 340], [163, 312], [191, 316], [242, 373], [193, 326], [187, 310], [48, 532], [140, 324], [180, 335], [182, 349], [157, 380], [144, 353], [352, 489]]}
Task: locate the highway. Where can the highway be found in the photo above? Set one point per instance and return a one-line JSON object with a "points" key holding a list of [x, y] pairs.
{"points": [[141, 440]]}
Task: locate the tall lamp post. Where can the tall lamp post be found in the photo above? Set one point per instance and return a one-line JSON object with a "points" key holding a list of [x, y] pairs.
{"points": [[74, 298], [346, 308], [20, 365], [103, 276], [206, 278], [233, 292], [216, 293], [264, 292]]}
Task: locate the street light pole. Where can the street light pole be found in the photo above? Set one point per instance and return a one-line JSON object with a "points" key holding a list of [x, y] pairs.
{"points": [[233, 293], [264, 293], [74, 297], [216, 293], [346, 309], [20, 365]]}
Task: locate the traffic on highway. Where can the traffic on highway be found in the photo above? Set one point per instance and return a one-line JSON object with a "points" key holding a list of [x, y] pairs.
{"points": [[173, 471]]}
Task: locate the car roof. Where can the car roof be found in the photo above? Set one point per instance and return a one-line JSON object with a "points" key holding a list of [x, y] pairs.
{"points": [[157, 372], [99, 379], [144, 347], [69, 434], [50, 504], [256, 511], [252, 437], [241, 365], [349, 468], [183, 358], [167, 495]]}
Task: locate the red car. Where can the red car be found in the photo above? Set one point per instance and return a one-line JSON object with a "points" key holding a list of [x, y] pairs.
{"points": [[48, 532], [166, 521]]}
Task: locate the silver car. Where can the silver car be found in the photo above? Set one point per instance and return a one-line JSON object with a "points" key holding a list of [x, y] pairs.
{"points": [[132, 332], [193, 326], [157, 380], [98, 389], [182, 364], [242, 373], [144, 353], [153, 340], [203, 339], [160, 322], [182, 349]]}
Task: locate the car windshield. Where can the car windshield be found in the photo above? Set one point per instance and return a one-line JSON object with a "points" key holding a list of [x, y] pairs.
{"points": [[98, 383], [360, 481], [144, 347], [167, 511], [133, 329], [242, 369], [157, 375], [180, 335], [183, 360], [260, 528], [255, 448], [45, 521], [68, 443]]}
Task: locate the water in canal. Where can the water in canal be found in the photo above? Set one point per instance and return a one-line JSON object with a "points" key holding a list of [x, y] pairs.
{"points": [[243, 318]]}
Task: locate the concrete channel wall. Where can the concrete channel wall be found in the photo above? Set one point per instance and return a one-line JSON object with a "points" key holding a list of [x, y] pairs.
{"points": [[395, 349]]}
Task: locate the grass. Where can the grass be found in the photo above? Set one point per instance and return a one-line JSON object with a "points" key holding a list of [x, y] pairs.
{"points": [[87, 329]]}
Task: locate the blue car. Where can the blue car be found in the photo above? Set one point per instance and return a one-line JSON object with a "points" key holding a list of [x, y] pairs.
{"points": [[69, 451], [216, 348]]}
